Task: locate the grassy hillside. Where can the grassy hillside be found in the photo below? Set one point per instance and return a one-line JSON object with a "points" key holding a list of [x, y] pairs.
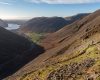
{"points": [[35, 37], [77, 66]]}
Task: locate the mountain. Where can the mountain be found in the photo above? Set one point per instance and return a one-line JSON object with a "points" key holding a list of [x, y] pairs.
{"points": [[48, 24], [71, 19], [3, 23], [14, 21], [15, 52], [43, 24], [74, 54], [67, 31]]}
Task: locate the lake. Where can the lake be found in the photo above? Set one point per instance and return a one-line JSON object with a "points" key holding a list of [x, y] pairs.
{"points": [[12, 26]]}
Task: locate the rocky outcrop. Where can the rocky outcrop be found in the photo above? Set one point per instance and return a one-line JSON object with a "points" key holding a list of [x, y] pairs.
{"points": [[72, 71]]}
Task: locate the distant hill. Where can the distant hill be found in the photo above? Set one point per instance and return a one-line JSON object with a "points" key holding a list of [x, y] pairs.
{"points": [[3, 23], [73, 53], [43, 24], [48, 24], [71, 19], [19, 22], [15, 51]]}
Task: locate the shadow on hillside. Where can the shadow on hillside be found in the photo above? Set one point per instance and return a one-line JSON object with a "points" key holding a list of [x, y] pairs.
{"points": [[20, 60]]}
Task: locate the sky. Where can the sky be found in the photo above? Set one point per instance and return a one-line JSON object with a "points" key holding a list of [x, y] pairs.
{"points": [[26, 9]]}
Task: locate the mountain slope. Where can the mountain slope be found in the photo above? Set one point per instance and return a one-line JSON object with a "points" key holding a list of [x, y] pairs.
{"points": [[75, 54], [3, 23], [19, 22], [71, 19], [41, 26], [48, 24], [15, 52], [44, 24], [67, 31]]}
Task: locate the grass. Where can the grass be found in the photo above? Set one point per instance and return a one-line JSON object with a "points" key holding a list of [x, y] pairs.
{"points": [[35, 37], [77, 57], [98, 78]]}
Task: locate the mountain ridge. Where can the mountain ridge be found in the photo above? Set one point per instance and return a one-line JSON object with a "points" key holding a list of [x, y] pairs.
{"points": [[48, 24]]}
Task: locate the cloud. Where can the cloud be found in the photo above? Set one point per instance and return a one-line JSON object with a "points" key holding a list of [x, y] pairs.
{"points": [[64, 1], [36, 1], [5, 3]]}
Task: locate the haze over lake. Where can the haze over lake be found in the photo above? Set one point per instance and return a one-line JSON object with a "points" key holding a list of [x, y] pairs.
{"points": [[12, 26]]}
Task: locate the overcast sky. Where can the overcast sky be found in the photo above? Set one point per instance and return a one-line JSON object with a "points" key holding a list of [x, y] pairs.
{"points": [[23, 9]]}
